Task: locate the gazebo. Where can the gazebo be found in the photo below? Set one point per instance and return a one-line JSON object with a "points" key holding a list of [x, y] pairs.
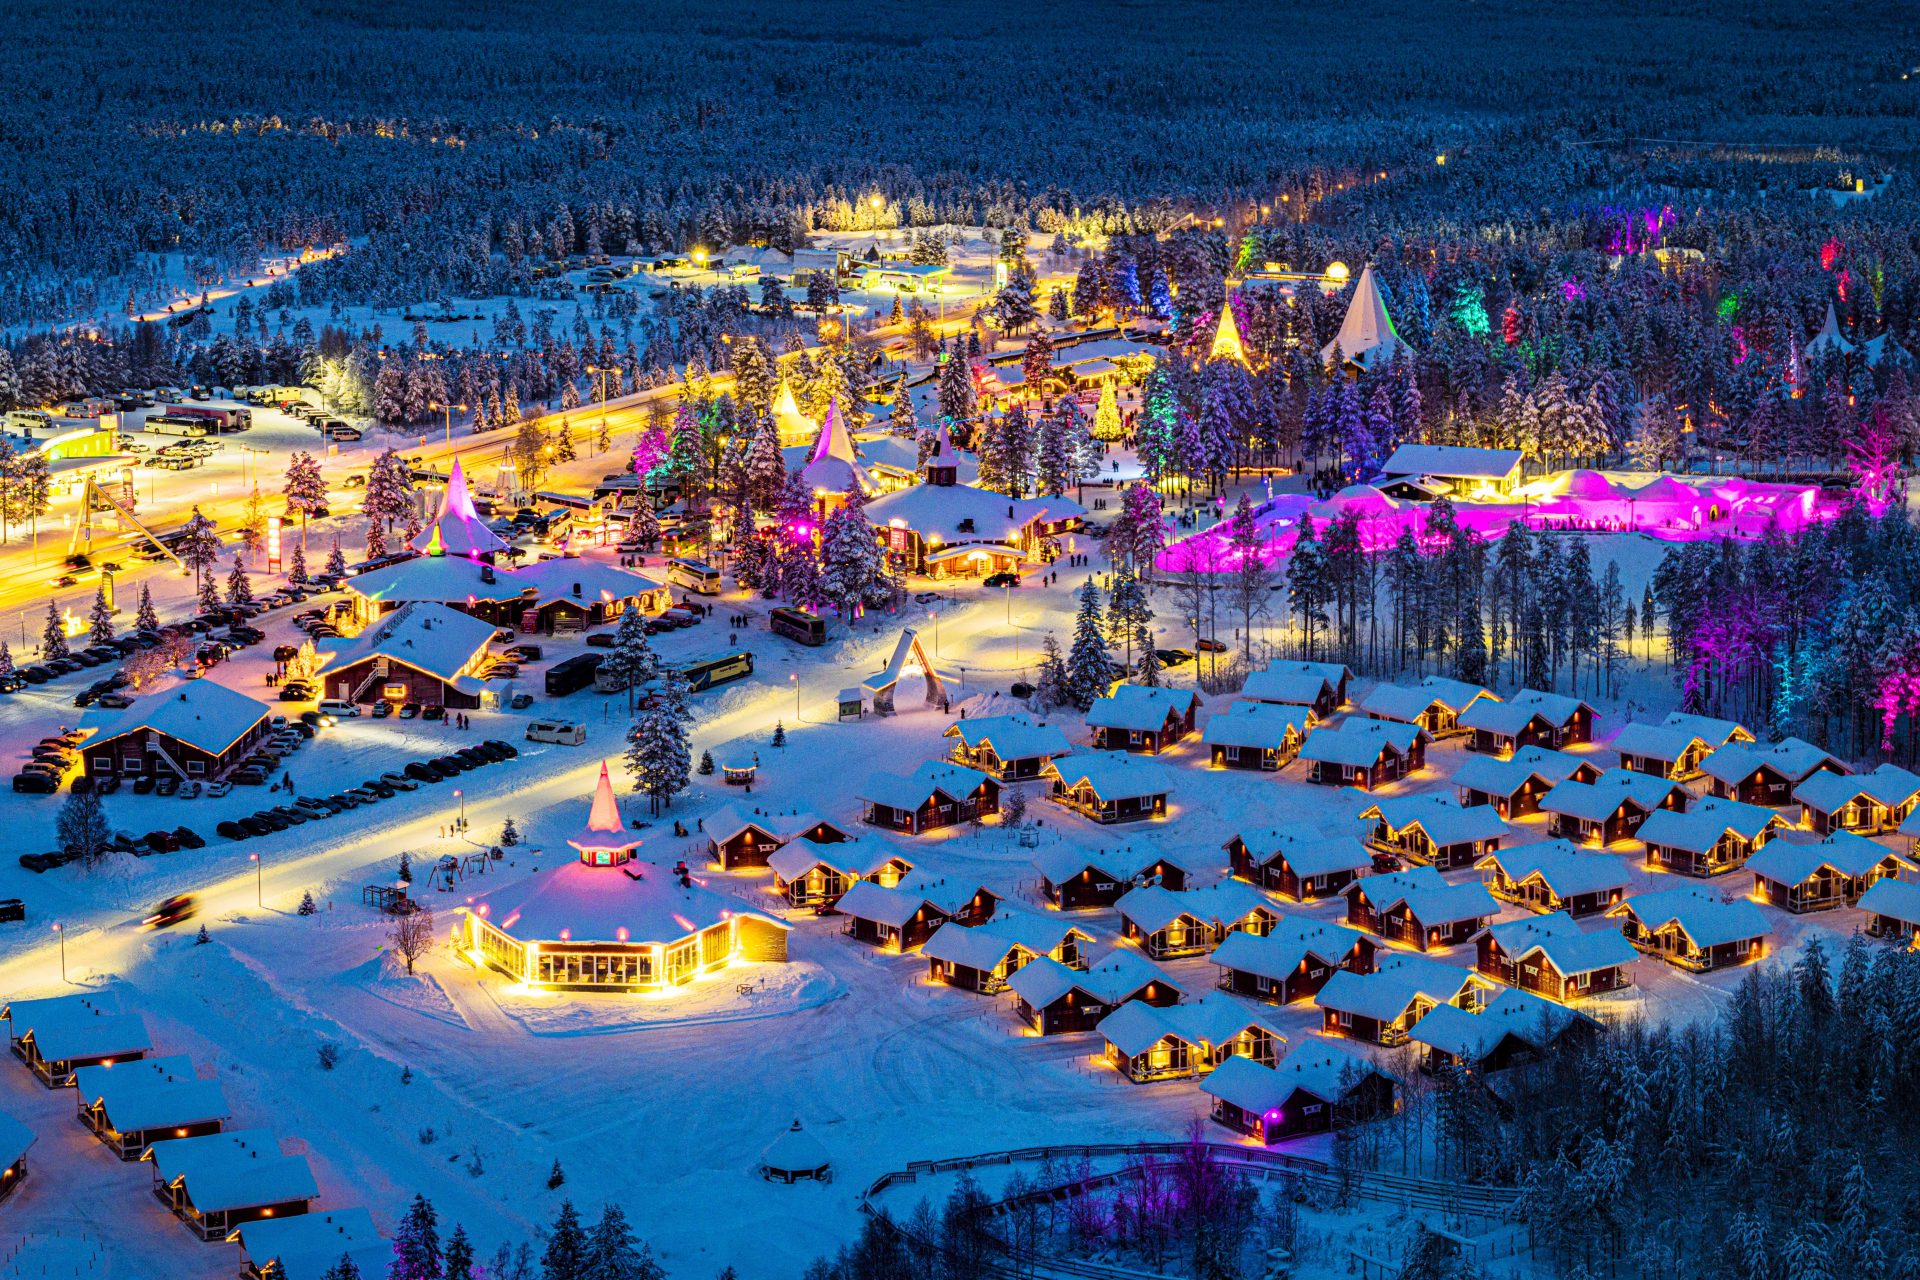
{"points": [[796, 1155]]}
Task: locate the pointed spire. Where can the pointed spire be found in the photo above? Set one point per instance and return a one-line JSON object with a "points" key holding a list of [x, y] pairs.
{"points": [[834, 441], [606, 810], [457, 528], [1367, 335], [1226, 338], [604, 832], [793, 426], [1829, 338]]}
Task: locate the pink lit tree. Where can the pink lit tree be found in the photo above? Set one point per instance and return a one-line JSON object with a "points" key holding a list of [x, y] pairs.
{"points": [[1874, 459]]}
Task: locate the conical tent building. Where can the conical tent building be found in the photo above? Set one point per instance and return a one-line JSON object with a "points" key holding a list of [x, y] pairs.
{"points": [[605, 840], [793, 426], [1367, 336], [1226, 338], [457, 529], [1829, 340], [794, 1155], [834, 471]]}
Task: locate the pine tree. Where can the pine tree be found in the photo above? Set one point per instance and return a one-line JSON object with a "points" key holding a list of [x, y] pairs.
{"points": [[1090, 670], [307, 906], [405, 871], [631, 660], [660, 752], [53, 636], [239, 590], [1107, 427], [705, 767], [614, 1254], [853, 567], [416, 1245], [336, 560], [459, 1256], [1053, 464], [1053, 688], [6, 660], [509, 833], [100, 619], [305, 489], [296, 565], [565, 1257], [779, 733], [144, 618]]}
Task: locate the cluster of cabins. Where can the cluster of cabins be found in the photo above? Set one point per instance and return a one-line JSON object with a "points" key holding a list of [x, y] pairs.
{"points": [[223, 1183]]}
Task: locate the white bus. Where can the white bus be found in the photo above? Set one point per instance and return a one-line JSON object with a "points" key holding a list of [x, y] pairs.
{"points": [[694, 575]]}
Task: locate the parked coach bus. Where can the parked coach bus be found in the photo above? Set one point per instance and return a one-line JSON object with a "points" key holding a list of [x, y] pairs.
{"points": [[173, 424], [798, 625], [573, 675], [694, 575], [704, 673]]}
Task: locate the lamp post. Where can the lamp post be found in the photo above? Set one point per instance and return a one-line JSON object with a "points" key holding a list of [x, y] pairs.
{"points": [[461, 796], [259, 891], [59, 931], [600, 373], [448, 410], [793, 679]]}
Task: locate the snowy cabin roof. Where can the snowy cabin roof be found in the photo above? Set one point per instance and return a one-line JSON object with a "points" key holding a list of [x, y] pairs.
{"points": [[1065, 861], [1599, 800], [1791, 758], [1398, 979], [1308, 853], [938, 513], [77, 1033], [597, 581], [863, 857], [1213, 1020], [985, 945], [729, 820], [633, 904], [1113, 775], [1504, 777], [15, 1139], [1278, 955], [155, 1093], [1116, 977], [1562, 868], [457, 529], [1510, 717], [897, 905], [26, 1015], [1427, 896], [1401, 702], [1568, 948], [308, 1245], [1289, 686], [1152, 907], [1658, 741], [1473, 1036], [1715, 732], [240, 1169], [1322, 1069], [1895, 899], [908, 792], [1888, 785], [795, 1151], [1361, 743], [1445, 822], [1791, 862], [426, 636], [1367, 336], [1701, 827], [1263, 725], [1707, 919], [1452, 461], [201, 713], [1013, 737], [1140, 707]]}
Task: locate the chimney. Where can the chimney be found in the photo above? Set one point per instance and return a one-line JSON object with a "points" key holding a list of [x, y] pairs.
{"points": [[576, 588]]}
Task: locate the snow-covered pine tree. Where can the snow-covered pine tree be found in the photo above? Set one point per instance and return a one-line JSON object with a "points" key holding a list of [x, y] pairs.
{"points": [[853, 568], [6, 660], [305, 489], [336, 560], [296, 565], [1052, 688], [631, 659], [1053, 459], [100, 618], [1107, 427], [239, 590], [659, 751], [1090, 669], [53, 636]]}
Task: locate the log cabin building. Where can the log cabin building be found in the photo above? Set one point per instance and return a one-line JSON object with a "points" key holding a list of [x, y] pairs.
{"points": [[1765, 773], [1147, 1042], [1893, 910], [1531, 718], [1365, 753], [1294, 961], [131, 1106], [934, 796], [1076, 879], [1675, 747], [59, 1035], [982, 957], [1381, 1007], [421, 652], [1714, 837], [1431, 830], [16, 1140], [1168, 924], [1552, 956], [1611, 808], [311, 1244], [1553, 876], [1512, 1028], [1419, 909], [1110, 786], [1055, 1000], [219, 1181], [1299, 866], [1693, 928], [1435, 704], [739, 838], [902, 918], [1833, 872], [1256, 735], [1516, 785], [1011, 748], [194, 730], [1319, 686], [1316, 1088], [1862, 803], [816, 876], [1141, 718]]}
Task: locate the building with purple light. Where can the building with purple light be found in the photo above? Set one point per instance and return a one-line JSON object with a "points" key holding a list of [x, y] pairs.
{"points": [[1316, 1088]]}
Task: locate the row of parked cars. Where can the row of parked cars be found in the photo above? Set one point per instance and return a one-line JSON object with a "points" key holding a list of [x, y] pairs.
{"points": [[385, 787], [49, 763], [121, 842]]}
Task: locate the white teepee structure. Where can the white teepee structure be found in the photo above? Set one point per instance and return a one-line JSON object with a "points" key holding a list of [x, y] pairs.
{"points": [[793, 426], [1828, 340], [1367, 336]]}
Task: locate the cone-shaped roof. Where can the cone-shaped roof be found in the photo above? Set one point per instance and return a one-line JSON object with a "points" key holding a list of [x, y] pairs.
{"points": [[604, 832], [793, 426], [834, 467], [1367, 335], [457, 529], [1828, 339], [796, 1152], [1226, 338]]}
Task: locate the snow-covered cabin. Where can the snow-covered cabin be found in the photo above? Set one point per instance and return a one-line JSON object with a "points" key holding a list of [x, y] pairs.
{"points": [[1056, 1000], [16, 1140], [1075, 878], [1514, 786], [1316, 1088], [1765, 773], [1256, 735], [1675, 747], [1513, 1027], [982, 957], [1432, 829], [219, 1181], [1294, 961], [1434, 704], [1713, 837], [1010, 747], [1863, 803], [950, 530], [1143, 718], [310, 1245], [1427, 471], [1552, 956], [905, 916], [1553, 875], [424, 653], [603, 921], [1364, 753], [1168, 923], [58, 1035], [1147, 1042], [1110, 786], [1612, 807], [810, 875], [933, 796], [1893, 910], [1694, 928], [133, 1104], [1381, 1006], [195, 729], [1833, 872], [1320, 686], [739, 837], [1531, 718], [1419, 908], [1299, 865], [560, 595]]}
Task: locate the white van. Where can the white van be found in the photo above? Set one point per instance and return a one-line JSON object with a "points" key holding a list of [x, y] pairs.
{"points": [[564, 732], [338, 707]]}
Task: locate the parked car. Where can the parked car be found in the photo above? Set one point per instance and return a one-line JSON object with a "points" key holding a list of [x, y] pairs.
{"points": [[189, 838], [420, 772], [410, 711], [162, 842], [167, 785], [600, 640], [231, 830], [399, 781], [1207, 644], [997, 580], [35, 784], [143, 785], [248, 776], [381, 710], [117, 701], [339, 708], [254, 827], [435, 712]]}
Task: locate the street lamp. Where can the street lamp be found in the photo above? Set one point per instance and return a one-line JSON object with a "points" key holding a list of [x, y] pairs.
{"points": [[61, 933], [259, 892], [461, 796], [793, 679], [600, 373], [448, 410]]}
